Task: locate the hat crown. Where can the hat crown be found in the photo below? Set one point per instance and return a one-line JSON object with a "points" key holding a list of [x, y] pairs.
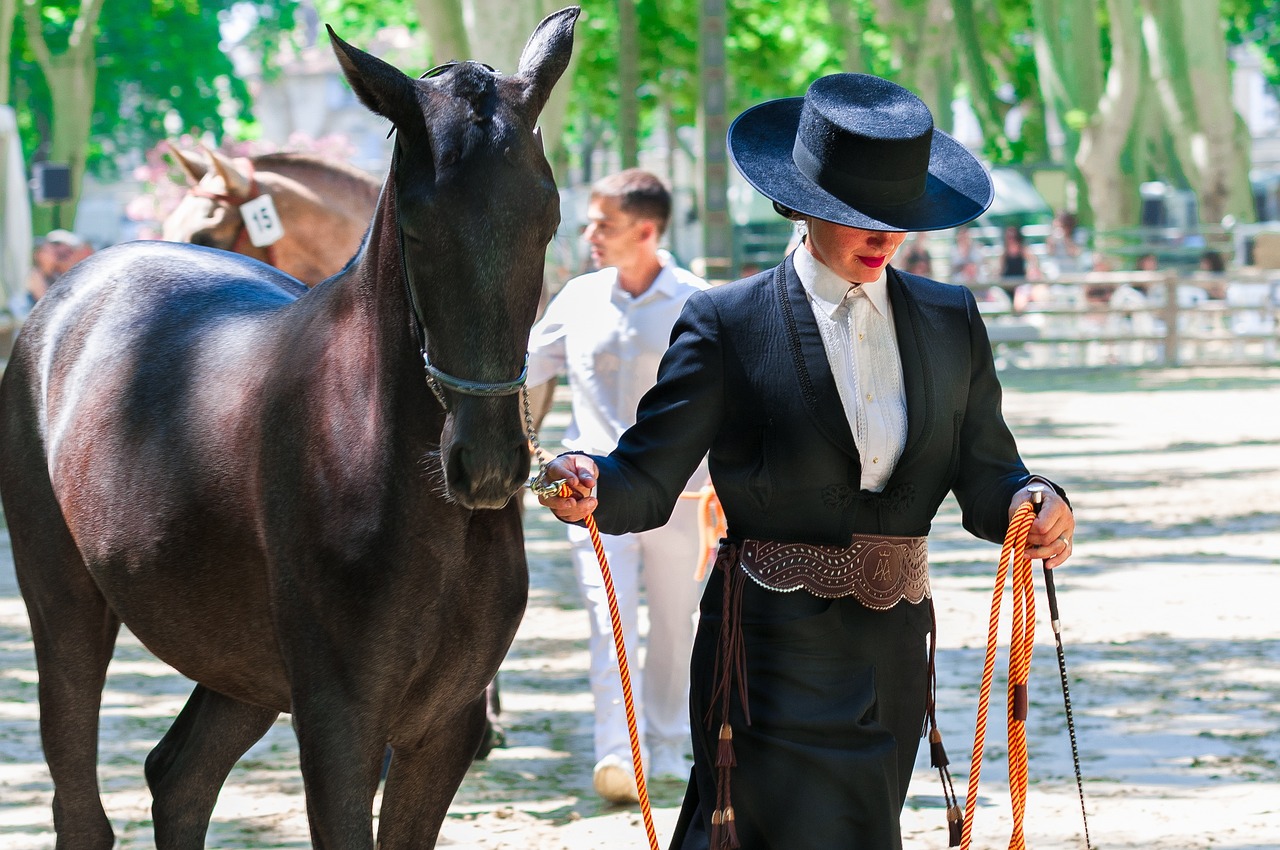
{"points": [[865, 139]]}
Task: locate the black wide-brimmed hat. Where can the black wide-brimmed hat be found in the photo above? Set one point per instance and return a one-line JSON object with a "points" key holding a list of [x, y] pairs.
{"points": [[861, 151]]}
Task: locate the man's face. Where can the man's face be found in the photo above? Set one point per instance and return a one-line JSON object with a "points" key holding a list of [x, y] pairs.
{"points": [[858, 256], [615, 237]]}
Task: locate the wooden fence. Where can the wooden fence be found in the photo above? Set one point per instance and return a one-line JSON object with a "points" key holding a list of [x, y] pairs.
{"points": [[1133, 319]]}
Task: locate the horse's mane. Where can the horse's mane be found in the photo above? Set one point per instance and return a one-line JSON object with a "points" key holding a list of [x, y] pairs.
{"points": [[299, 161]]}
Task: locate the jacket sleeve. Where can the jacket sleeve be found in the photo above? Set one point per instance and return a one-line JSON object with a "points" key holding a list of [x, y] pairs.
{"points": [[676, 423], [989, 469]]}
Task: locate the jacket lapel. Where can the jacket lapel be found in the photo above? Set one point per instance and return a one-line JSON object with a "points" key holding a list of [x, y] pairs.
{"points": [[913, 353], [813, 369]]}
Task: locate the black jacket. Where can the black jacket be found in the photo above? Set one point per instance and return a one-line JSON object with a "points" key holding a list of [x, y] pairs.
{"points": [[747, 378]]}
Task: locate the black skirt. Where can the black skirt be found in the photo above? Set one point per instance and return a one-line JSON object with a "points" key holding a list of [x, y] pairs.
{"points": [[837, 695]]}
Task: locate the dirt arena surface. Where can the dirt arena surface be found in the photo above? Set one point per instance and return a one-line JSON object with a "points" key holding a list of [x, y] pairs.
{"points": [[1170, 623]]}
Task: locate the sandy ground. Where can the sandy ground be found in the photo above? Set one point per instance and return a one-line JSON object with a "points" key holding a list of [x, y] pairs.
{"points": [[1169, 621]]}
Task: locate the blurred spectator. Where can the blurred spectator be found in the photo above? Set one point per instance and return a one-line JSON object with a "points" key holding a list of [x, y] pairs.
{"points": [[1213, 275], [1064, 252], [918, 260], [1015, 260], [52, 256], [1148, 262], [1211, 261], [965, 259]]}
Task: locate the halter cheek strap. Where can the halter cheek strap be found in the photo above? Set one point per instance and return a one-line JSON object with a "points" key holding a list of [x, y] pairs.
{"points": [[437, 379]]}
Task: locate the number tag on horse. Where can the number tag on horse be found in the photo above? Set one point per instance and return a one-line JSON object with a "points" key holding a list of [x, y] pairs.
{"points": [[261, 221]]}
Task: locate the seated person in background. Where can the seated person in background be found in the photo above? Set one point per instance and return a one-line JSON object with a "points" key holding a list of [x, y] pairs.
{"points": [[966, 258], [1064, 252], [1015, 260], [1211, 261], [918, 260]]}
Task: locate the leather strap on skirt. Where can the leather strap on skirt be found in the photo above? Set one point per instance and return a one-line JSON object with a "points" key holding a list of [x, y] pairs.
{"points": [[879, 570]]}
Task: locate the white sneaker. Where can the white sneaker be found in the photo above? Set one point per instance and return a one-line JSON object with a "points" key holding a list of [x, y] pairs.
{"points": [[614, 780], [667, 762]]}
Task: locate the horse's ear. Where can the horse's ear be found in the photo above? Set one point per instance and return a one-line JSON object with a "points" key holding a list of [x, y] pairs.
{"points": [[193, 168], [546, 56], [236, 182], [381, 87]]}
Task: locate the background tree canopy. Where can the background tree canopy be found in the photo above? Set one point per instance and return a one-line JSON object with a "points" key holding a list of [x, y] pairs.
{"points": [[1113, 92]]}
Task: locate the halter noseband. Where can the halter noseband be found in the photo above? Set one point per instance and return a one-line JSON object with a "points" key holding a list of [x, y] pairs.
{"points": [[438, 381]]}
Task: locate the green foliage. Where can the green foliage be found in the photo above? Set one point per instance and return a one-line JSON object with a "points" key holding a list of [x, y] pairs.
{"points": [[772, 50], [157, 60], [1256, 24]]}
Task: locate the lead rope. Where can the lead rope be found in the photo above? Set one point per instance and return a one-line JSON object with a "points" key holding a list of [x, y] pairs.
{"points": [[1012, 556], [1021, 643], [539, 484]]}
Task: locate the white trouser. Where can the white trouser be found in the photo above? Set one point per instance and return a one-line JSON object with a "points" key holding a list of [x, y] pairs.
{"points": [[667, 557]]}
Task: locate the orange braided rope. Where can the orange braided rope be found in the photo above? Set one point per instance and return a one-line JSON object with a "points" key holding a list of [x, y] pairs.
{"points": [[628, 698], [1012, 557]]}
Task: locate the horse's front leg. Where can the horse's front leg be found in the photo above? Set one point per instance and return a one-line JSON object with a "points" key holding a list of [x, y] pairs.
{"points": [[423, 780], [341, 744]]}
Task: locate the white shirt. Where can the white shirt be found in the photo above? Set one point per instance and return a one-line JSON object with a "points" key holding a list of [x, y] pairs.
{"points": [[609, 344], [856, 323]]}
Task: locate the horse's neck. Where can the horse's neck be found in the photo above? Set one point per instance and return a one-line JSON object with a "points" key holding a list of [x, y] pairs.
{"points": [[369, 300]]}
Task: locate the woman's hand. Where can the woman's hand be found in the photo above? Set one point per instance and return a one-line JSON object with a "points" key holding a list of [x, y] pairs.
{"points": [[579, 472], [1050, 538]]}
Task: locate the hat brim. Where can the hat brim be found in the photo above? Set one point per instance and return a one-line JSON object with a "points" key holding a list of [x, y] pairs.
{"points": [[957, 190]]}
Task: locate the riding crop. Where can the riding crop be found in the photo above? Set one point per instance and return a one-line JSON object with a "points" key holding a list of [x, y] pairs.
{"points": [[1051, 593], [1013, 559]]}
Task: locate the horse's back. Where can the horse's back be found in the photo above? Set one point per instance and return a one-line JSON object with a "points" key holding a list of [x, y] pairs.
{"points": [[134, 339]]}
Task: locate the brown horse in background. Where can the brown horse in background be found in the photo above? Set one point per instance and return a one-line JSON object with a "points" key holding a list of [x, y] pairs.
{"points": [[300, 499], [323, 204]]}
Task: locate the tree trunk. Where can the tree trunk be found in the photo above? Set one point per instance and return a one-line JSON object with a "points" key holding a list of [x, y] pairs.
{"points": [[628, 84], [1112, 193], [921, 36], [845, 19], [1069, 65], [1189, 65], [717, 229], [71, 76], [8, 14], [446, 33]]}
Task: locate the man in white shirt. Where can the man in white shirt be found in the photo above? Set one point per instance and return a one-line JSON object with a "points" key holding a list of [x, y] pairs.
{"points": [[608, 331]]}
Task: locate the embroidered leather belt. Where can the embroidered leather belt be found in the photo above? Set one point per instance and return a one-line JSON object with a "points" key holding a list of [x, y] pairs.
{"points": [[879, 570]]}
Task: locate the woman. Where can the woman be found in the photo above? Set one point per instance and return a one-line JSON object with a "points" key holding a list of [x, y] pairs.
{"points": [[840, 401]]}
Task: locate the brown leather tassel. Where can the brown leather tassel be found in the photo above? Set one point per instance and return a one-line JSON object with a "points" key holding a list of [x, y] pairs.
{"points": [[937, 752], [731, 830], [724, 750], [955, 825]]}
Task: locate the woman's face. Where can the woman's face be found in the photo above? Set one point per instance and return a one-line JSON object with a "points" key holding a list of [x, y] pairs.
{"points": [[858, 256]]}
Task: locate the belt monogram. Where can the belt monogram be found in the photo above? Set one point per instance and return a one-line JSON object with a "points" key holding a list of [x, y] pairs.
{"points": [[879, 570]]}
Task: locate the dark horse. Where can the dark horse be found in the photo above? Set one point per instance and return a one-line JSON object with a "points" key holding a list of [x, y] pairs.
{"points": [[262, 483]]}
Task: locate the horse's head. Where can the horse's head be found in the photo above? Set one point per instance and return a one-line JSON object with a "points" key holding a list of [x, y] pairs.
{"points": [[476, 205], [209, 214]]}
